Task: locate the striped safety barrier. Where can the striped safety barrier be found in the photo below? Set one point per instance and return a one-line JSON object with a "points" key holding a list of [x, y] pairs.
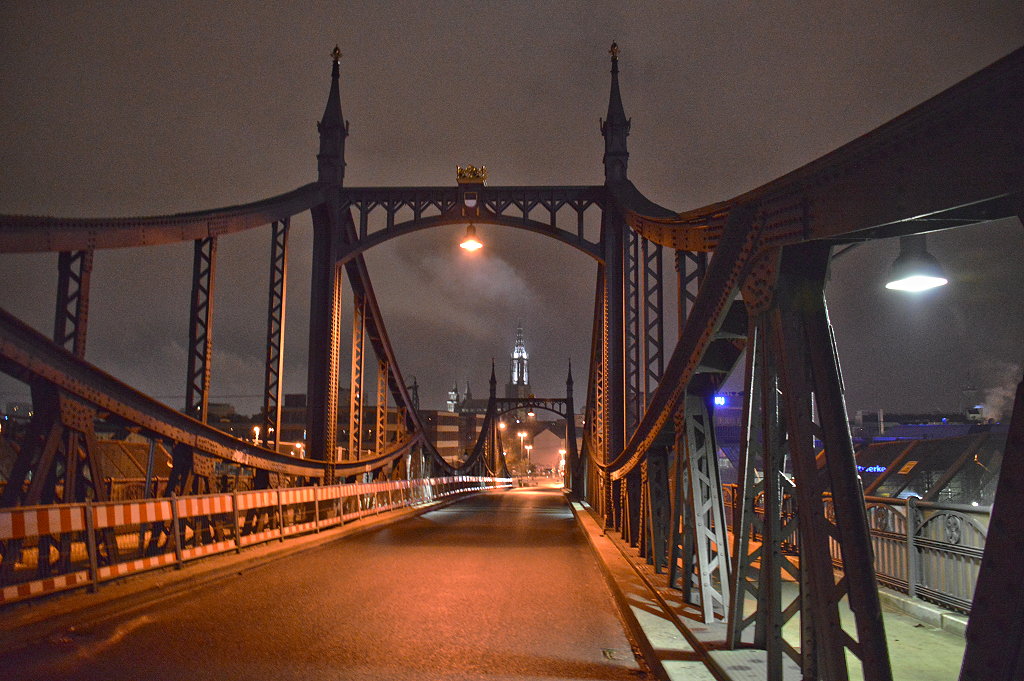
{"points": [[268, 509]]}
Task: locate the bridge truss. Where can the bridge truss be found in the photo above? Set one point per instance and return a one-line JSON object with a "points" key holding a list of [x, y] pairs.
{"points": [[750, 277]]}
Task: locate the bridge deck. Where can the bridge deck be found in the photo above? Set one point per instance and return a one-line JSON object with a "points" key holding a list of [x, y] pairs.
{"points": [[500, 586]]}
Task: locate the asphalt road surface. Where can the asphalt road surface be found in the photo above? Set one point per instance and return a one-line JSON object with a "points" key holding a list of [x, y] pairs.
{"points": [[499, 586]]}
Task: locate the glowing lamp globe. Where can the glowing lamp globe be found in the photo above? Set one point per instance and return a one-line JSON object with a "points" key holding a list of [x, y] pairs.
{"points": [[471, 243]]}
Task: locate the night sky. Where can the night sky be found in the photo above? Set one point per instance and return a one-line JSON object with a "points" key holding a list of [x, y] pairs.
{"points": [[114, 109]]}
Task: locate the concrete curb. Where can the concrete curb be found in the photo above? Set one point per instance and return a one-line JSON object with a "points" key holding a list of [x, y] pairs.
{"points": [[667, 653], [928, 613], [47, 617]]}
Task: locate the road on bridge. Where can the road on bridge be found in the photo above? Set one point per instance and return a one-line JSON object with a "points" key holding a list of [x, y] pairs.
{"points": [[498, 586]]}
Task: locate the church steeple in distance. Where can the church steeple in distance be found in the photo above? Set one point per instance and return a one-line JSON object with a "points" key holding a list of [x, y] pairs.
{"points": [[519, 368]]}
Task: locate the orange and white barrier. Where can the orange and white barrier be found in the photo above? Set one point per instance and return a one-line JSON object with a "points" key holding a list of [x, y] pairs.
{"points": [[288, 511]]}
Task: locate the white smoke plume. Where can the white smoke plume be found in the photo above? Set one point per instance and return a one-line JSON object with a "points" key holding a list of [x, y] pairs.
{"points": [[999, 399]]}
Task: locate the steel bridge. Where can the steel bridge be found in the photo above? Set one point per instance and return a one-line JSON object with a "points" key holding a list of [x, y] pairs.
{"points": [[750, 274]]}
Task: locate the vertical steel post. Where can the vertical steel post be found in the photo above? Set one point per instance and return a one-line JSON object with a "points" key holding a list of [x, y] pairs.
{"points": [[90, 542], [615, 333], [652, 319], [324, 341], [200, 330], [913, 559], [705, 508], [382, 406], [634, 360], [808, 363], [355, 402], [273, 383], [74, 273]]}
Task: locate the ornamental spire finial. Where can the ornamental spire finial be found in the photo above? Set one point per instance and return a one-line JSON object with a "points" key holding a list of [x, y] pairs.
{"points": [[614, 51], [336, 54]]}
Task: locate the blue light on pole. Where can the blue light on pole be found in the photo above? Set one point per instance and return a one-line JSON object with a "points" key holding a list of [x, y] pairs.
{"points": [[719, 400]]}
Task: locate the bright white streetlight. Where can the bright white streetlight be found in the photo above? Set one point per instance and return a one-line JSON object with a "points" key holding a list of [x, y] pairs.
{"points": [[915, 269]]}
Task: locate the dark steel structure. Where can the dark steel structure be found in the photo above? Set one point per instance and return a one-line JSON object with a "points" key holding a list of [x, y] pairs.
{"points": [[750, 277]]}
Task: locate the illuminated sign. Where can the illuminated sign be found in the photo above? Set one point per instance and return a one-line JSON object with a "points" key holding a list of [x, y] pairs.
{"points": [[719, 400], [871, 469]]}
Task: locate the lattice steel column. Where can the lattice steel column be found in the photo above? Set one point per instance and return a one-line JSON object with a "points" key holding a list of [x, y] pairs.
{"points": [[703, 503], [633, 333], [382, 406], [760, 563], [355, 415], [658, 508], [651, 320], [74, 272], [690, 269], [272, 383], [200, 337]]}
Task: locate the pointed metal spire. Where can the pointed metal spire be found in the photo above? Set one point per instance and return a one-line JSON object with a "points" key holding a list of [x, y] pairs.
{"points": [[333, 129], [494, 380], [615, 128], [568, 379]]}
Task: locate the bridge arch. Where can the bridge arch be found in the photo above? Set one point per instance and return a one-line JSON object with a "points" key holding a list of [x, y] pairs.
{"points": [[367, 241]]}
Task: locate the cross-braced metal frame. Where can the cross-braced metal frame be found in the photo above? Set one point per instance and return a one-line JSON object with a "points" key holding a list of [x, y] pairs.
{"points": [[200, 328], [277, 297]]}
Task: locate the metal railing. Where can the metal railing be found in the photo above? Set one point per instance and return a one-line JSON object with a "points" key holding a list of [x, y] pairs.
{"points": [[45, 549], [927, 550]]}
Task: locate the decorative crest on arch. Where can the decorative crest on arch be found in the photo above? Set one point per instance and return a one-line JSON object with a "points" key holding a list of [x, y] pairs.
{"points": [[471, 174]]}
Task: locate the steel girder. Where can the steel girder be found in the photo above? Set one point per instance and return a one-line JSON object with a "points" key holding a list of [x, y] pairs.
{"points": [[426, 207], [277, 296], [555, 405], [200, 328], [74, 272], [30, 357], [36, 234]]}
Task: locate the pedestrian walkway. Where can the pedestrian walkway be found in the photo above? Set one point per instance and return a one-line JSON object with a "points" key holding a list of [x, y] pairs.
{"points": [[680, 646]]}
